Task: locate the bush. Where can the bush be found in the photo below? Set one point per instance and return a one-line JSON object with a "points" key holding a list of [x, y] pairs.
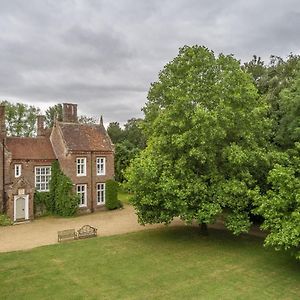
{"points": [[5, 220], [111, 195]]}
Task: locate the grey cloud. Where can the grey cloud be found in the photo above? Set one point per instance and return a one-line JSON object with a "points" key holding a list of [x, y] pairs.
{"points": [[103, 55]]}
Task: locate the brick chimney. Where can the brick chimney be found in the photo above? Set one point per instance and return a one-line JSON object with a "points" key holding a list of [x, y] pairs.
{"points": [[40, 125], [70, 113], [2, 122]]}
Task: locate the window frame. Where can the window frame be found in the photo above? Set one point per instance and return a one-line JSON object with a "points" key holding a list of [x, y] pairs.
{"points": [[19, 168], [79, 164], [80, 193], [46, 183], [98, 165], [100, 196]]}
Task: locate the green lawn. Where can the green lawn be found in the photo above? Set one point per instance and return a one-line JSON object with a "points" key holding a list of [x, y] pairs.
{"points": [[172, 263], [124, 196]]}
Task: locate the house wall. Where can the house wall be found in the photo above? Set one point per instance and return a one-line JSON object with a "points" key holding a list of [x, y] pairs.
{"points": [[1, 179], [67, 161], [2, 136], [28, 173]]}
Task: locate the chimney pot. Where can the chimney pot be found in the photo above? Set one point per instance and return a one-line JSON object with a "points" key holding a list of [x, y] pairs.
{"points": [[70, 112], [40, 125]]}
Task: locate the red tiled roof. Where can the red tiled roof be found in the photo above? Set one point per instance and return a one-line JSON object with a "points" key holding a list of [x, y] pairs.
{"points": [[85, 137], [30, 148]]}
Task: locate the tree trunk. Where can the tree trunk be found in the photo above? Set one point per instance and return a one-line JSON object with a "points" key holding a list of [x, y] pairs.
{"points": [[203, 229]]}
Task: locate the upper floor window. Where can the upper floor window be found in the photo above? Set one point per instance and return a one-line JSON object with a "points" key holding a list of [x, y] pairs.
{"points": [[18, 170], [81, 192], [81, 166], [100, 163], [42, 178]]}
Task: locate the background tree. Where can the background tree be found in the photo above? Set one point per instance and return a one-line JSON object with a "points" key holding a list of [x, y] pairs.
{"points": [[20, 119], [256, 67], [128, 143], [270, 81], [87, 120], [206, 130], [133, 133], [115, 132], [55, 111], [289, 124]]}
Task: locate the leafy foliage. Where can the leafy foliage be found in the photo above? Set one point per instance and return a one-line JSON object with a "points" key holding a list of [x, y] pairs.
{"points": [[115, 132], [280, 207], [289, 125], [66, 201], [207, 131], [5, 220], [271, 80], [52, 113], [20, 119], [87, 120], [61, 199], [42, 203], [128, 141], [124, 153], [111, 195]]}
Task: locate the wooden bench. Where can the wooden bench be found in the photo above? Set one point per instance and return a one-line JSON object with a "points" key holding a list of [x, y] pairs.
{"points": [[86, 231], [68, 234]]}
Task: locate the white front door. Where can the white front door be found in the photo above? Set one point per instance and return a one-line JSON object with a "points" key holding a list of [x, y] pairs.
{"points": [[21, 208]]}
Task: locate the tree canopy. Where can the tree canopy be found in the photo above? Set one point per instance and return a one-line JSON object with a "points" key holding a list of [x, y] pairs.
{"points": [[20, 119], [207, 136]]}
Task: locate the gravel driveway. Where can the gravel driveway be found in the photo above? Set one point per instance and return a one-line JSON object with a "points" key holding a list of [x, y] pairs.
{"points": [[43, 231]]}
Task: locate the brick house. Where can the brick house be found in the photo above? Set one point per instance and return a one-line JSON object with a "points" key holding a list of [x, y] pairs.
{"points": [[85, 154]]}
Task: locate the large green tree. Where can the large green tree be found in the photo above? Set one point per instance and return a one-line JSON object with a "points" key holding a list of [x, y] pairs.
{"points": [[207, 131], [20, 119]]}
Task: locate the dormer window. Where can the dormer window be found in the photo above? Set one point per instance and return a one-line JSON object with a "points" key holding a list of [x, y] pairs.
{"points": [[18, 170], [81, 166], [100, 163]]}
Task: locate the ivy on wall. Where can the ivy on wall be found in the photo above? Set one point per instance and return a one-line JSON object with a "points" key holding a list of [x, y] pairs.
{"points": [[61, 199]]}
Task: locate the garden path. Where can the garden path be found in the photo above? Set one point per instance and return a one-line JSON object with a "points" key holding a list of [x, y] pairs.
{"points": [[43, 231]]}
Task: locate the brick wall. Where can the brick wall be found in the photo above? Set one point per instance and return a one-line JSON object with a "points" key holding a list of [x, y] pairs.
{"points": [[69, 167], [28, 173]]}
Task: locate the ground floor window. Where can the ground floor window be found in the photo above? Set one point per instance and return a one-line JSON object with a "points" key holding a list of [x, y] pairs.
{"points": [[100, 193], [81, 191], [42, 178]]}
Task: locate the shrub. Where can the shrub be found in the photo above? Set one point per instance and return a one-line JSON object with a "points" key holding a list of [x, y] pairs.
{"points": [[5, 220], [111, 195]]}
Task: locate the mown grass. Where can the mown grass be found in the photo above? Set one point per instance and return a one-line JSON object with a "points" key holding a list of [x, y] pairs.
{"points": [[124, 196], [170, 263]]}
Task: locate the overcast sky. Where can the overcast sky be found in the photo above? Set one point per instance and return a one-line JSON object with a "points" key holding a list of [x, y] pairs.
{"points": [[103, 55]]}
